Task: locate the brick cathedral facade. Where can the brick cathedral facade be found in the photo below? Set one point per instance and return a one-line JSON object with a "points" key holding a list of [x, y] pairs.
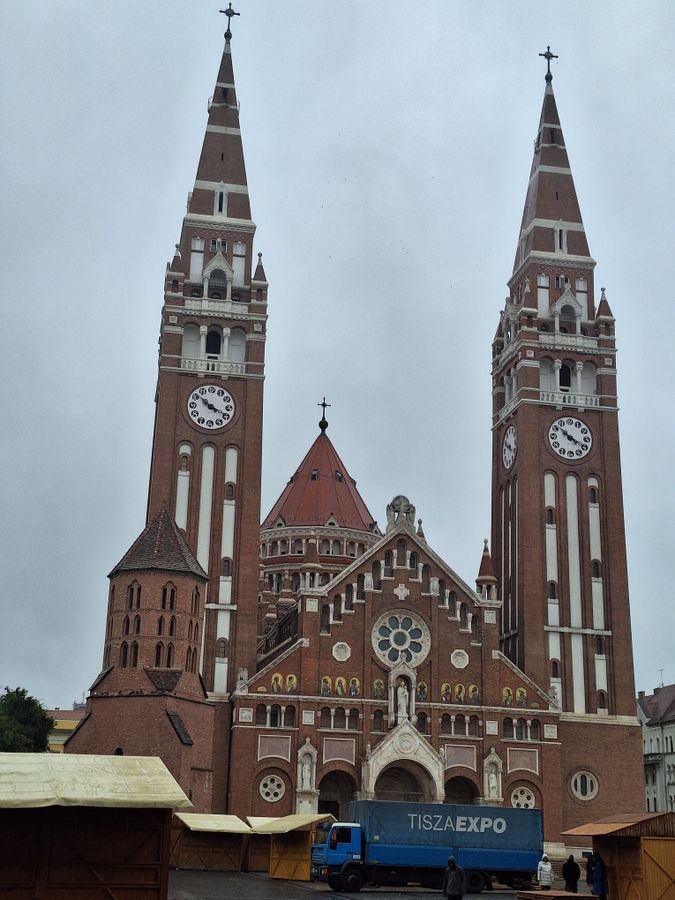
{"points": [[293, 666]]}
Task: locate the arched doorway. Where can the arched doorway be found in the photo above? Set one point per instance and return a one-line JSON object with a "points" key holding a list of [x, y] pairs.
{"points": [[336, 790], [460, 790], [405, 780]]}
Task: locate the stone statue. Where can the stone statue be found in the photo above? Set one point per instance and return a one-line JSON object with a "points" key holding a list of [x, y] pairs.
{"points": [[493, 785], [306, 773], [402, 701]]}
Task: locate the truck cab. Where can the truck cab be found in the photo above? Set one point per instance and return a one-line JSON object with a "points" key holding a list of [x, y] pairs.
{"points": [[337, 856]]}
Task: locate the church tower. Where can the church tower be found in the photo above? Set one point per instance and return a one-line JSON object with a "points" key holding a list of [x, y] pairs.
{"points": [[206, 456], [557, 509]]}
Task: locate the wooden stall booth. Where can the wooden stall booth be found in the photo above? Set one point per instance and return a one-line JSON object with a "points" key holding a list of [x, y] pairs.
{"points": [[290, 848], [217, 843], [75, 827], [639, 852]]}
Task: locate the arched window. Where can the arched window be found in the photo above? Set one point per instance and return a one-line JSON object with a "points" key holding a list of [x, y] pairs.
{"points": [[270, 582], [378, 720], [325, 578], [159, 653], [229, 492], [446, 724], [550, 518], [261, 714], [555, 668], [599, 646], [324, 718], [275, 548], [463, 618], [593, 495], [474, 726], [169, 656], [130, 595], [535, 730], [602, 700], [460, 724], [133, 656], [552, 590], [452, 603], [160, 625], [124, 655], [236, 348], [521, 730], [340, 719], [226, 568], [190, 349], [565, 377], [546, 374], [588, 378], [221, 648], [214, 341], [422, 722], [325, 619], [289, 717], [360, 587], [442, 592], [426, 579], [414, 564], [475, 622], [595, 569], [196, 634], [401, 552], [278, 583], [137, 625], [295, 581], [195, 602], [388, 563], [297, 546], [349, 596], [190, 631], [125, 625], [508, 728], [172, 626], [377, 578], [353, 722]]}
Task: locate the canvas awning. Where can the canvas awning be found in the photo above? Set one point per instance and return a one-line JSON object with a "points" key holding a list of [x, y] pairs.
{"points": [[299, 822], [29, 780], [219, 824], [639, 824]]}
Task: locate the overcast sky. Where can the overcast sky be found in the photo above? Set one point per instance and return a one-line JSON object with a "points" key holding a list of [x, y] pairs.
{"points": [[388, 147]]}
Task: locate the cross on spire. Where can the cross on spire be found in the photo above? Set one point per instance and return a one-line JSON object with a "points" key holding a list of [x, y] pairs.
{"points": [[323, 424], [548, 56], [229, 12]]}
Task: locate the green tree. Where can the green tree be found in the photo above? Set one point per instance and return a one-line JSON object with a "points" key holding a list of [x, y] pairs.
{"points": [[24, 723]]}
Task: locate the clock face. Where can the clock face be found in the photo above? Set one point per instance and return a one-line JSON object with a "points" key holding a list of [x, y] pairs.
{"points": [[509, 446], [210, 407], [570, 438]]}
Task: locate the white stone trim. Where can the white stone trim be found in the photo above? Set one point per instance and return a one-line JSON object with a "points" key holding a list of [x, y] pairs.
{"points": [[222, 129], [201, 184]]}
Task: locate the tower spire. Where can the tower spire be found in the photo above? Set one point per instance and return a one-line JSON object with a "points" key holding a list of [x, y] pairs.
{"points": [[548, 56]]}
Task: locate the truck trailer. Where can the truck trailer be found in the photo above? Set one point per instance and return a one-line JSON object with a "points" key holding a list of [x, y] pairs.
{"points": [[396, 843]]}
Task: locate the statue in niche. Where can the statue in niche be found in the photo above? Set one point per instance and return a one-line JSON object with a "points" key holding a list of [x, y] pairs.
{"points": [[306, 772], [402, 697], [242, 677], [493, 784]]}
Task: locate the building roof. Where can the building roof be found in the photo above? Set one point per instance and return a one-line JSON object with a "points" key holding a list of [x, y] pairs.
{"points": [[659, 707], [551, 195], [30, 780], [321, 490], [214, 822], [638, 824], [160, 545], [486, 571]]}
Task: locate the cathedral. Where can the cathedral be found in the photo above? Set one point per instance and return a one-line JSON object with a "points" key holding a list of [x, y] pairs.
{"points": [[320, 657]]}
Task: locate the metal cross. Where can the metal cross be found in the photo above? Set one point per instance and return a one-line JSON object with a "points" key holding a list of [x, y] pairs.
{"points": [[548, 56], [229, 12], [323, 424]]}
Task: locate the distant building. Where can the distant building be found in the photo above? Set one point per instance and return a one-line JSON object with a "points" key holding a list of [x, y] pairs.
{"points": [[65, 723], [656, 713]]}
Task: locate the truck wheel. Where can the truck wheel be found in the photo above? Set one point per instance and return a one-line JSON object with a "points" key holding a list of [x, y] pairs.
{"points": [[475, 882], [352, 881]]}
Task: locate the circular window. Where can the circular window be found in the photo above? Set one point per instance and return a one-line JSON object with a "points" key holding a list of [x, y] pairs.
{"points": [[584, 785], [523, 798], [272, 788], [399, 636]]}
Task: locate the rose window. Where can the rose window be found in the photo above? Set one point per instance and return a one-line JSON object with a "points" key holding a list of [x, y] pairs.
{"points": [[399, 637], [272, 788], [523, 798]]}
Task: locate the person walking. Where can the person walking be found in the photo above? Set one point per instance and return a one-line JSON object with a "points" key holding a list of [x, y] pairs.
{"points": [[590, 870], [571, 873], [545, 874], [454, 880], [600, 886]]}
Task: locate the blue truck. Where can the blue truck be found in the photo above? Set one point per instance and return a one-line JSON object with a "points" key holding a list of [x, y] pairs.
{"points": [[395, 843]]}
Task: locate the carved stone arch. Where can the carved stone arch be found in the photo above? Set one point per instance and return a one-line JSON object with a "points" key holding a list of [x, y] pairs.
{"points": [[404, 746], [218, 262], [567, 298]]}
